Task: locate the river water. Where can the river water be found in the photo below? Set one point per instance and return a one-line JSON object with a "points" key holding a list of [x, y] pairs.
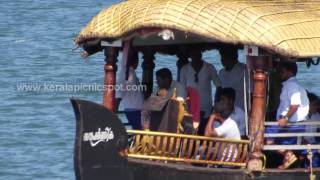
{"points": [[37, 125]]}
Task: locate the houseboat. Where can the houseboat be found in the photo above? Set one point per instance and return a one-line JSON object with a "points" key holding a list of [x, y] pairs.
{"points": [[265, 30]]}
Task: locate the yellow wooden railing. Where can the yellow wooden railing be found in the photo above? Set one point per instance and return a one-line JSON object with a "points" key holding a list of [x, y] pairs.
{"points": [[188, 148]]}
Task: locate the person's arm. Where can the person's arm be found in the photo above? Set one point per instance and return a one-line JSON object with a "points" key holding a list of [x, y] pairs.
{"points": [[132, 78], [183, 78], [119, 93], [181, 91], [145, 119], [209, 130], [214, 133], [285, 118], [216, 81], [214, 76]]}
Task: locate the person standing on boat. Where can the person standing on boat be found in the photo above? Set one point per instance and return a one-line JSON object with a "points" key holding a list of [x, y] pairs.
{"points": [[199, 74], [228, 128], [293, 107], [233, 74], [129, 92]]}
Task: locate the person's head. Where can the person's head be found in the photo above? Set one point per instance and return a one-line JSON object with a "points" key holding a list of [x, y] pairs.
{"points": [[223, 110], [196, 56], [287, 70], [133, 59], [227, 95], [164, 78], [229, 56], [314, 103]]}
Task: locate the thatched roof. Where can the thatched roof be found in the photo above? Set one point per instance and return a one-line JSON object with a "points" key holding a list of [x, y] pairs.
{"points": [[288, 27]]}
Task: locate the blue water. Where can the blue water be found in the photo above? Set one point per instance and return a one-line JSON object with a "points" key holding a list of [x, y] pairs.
{"points": [[37, 127]]}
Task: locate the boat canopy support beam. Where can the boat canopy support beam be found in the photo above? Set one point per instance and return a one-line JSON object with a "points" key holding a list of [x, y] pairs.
{"points": [[148, 67], [110, 69], [259, 64]]}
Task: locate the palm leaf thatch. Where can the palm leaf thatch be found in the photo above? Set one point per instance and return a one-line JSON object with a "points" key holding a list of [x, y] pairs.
{"points": [[288, 27]]}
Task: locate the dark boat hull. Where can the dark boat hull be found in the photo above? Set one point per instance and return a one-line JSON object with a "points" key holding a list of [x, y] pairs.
{"points": [[152, 170]]}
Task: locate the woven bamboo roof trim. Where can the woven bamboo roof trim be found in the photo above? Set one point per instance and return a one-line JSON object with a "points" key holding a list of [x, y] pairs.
{"points": [[288, 27]]}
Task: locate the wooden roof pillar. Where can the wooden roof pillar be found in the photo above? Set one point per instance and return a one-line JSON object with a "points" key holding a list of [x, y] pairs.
{"points": [[110, 69], [257, 61], [148, 67]]}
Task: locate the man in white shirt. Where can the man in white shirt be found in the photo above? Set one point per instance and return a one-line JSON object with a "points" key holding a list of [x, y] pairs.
{"points": [[199, 74], [228, 129], [293, 107], [129, 93], [294, 103], [233, 74], [228, 95]]}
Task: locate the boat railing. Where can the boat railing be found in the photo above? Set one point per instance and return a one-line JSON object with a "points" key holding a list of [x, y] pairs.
{"points": [[194, 149], [301, 145]]}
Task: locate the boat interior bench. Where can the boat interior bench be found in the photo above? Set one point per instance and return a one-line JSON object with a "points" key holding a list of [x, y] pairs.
{"points": [[300, 145], [188, 148]]}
